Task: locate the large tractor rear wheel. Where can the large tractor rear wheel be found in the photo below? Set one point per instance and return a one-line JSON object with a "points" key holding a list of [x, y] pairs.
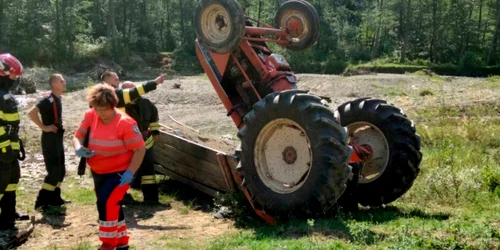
{"points": [[301, 20], [294, 156], [396, 157], [219, 25]]}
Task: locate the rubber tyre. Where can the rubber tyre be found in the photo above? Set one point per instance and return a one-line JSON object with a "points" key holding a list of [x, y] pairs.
{"points": [[329, 169], [403, 165], [309, 14], [236, 17]]}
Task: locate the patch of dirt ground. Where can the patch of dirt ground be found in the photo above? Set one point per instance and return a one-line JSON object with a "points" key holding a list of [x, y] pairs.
{"points": [[195, 104]]}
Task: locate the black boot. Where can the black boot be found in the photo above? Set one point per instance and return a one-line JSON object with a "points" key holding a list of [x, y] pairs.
{"points": [[150, 193], [44, 199], [57, 199], [8, 214], [7, 224], [21, 216], [17, 215]]}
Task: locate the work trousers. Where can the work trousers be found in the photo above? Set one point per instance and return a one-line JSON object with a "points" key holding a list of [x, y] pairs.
{"points": [[112, 227], [10, 173], [53, 155], [148, 179]]}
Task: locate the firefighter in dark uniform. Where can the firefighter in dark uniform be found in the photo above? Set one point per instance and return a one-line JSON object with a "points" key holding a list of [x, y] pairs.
{"points": [[50, 109], [10, 145], [127, 95], [145, 113]]}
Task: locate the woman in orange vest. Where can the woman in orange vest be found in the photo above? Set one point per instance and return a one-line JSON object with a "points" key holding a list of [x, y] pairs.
{"points": [[115, 152]]}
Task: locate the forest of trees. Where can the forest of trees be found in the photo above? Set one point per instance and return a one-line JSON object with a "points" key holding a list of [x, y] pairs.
{"points": [[462, 33]]}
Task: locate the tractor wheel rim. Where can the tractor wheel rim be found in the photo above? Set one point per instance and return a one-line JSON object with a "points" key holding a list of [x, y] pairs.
{"points": [[283, 156], [216, 23], [296, 24], [366, 133]]}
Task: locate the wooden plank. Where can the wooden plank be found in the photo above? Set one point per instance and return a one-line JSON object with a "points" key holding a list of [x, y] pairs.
{"points": [[227, 172], [189, 147], [187, 170], [194, 162], [213, 181], [180, 178], [232, 163], [163, 158]]}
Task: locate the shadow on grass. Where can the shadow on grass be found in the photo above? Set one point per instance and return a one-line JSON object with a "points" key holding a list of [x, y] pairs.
{"points": [[135, 211], [55, 217], [187, 195], [355, 226], [389, 213]]}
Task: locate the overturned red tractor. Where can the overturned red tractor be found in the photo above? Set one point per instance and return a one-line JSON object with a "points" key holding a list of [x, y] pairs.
{"points": [[298, 156]]}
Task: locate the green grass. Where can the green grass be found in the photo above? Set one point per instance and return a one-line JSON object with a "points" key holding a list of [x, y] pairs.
{"points": [[79, 193], [493, 82], [432, 77], [81, 246], [400, 226], [425, 92], [395, 91]]}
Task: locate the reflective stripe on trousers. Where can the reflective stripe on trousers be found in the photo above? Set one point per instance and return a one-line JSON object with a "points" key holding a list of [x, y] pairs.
{"points": [[112, 227]]}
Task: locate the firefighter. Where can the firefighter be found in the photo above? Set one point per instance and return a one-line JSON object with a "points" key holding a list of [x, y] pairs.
{"points": [[50, 109], [145, 114], [114, 154], [10, 145], [127, 95]]}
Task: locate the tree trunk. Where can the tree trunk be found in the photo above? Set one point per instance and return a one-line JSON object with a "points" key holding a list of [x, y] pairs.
{"points": [[480, 15], [124, 21], [404, 21], [486, 23], [58, 24], [377, 33], [493, 48], [181, 15], [97, 18], [71, 30], [1, 23], [64, 27], [433, 43], [260, 10], [467, 32], [112, 27], [169, 26]]}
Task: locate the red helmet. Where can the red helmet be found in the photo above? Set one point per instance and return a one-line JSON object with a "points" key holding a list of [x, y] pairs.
{"points": [[10, 65]]}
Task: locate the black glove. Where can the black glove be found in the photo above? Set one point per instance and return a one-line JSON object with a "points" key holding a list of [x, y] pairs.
{"points": [[21, 155]]}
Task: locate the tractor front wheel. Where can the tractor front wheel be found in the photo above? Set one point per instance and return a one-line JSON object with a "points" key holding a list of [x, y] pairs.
{"points": [[294, 156]]}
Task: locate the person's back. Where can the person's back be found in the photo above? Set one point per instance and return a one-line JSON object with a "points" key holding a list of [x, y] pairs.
{"points": [[145, 113]]}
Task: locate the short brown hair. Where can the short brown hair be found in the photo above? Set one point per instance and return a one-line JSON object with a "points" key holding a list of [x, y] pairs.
{"points": [[102, 95], [106, 73], [53, 77]]}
